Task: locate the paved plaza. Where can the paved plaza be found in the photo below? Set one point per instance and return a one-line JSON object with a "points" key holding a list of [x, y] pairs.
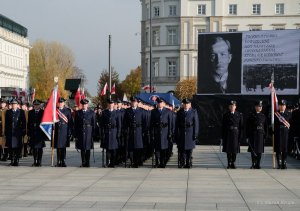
{"points": [[207, 186]]}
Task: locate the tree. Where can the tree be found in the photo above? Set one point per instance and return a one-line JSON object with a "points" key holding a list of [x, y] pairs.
{"points": [[47, 60], [186, 88], [104, 78], [132, 83]]}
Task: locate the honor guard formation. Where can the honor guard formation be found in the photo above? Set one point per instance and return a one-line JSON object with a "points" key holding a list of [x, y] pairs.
{"points": [[130, 133]]}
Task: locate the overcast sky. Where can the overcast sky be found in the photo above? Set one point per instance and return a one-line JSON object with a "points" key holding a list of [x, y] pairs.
{"points": [[84, 26]]}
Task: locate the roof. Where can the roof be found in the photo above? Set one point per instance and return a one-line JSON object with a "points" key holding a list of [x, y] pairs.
{"points": [[12, 26]]}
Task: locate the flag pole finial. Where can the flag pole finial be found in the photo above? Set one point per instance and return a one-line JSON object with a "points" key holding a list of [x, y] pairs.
{"points": [[56, 79]]}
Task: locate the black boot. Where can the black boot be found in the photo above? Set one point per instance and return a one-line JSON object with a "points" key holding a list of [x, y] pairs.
{"points": [[25, 151], [34, 153], [87, 157], [1, 153], [253, 158], [233, 159], [63, 157], [278, 158], [258, 158], [162, 159], [12, 158], [187, 159], [83, 162], [228, 160], [283, 163], [58, 152], [5, 154], [39, 157]]}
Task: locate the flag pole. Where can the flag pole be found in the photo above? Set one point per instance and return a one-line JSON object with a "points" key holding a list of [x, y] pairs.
{"points": [[54, 117], [272, 119]]}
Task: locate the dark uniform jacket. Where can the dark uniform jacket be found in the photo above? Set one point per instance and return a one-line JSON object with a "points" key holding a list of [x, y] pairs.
{"points": [[187, 129], [121, 114], [36, 136], [63, 129], [15, 128], [232, 125], [84, 128], [281, 133], [161, 128], [134, 124], [256, 131], [110, 129]]}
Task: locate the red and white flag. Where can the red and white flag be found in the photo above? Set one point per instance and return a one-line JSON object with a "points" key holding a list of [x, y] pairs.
{"points": [[103, 92], [82, 94], [50, 115], [275, 112], [147, 88], [113, 89]]}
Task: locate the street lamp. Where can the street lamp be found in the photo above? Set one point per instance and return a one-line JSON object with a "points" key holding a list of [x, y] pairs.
{"points": [[150, 56]]}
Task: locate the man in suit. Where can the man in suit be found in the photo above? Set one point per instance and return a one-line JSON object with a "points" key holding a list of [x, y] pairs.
{"points": [[186, 132], [281, 135], [63, 132], [35, 134], [256, 133], [15, 130], [232, 127], [161, 132], [84, 131], [218, 78]]}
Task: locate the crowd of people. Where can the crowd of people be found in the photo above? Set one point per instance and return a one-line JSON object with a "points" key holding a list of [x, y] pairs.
{"points": [[132, 132]]}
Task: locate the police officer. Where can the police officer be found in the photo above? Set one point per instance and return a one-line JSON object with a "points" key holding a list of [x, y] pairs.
{"points": [[281, 135], [15, 129], [232, 125], [3, 155], [134, 123], [161, 131], [256, 133], [35, 134], [186, 132], [84, 131], [63, 132], [121, 152], [110, 129]]}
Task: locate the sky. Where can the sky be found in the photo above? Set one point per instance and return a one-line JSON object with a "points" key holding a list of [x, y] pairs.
{"points": [[84, 27]]}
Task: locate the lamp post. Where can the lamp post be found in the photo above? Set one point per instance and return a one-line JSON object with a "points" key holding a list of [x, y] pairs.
{"points": [[150, 54], [109, 65]]}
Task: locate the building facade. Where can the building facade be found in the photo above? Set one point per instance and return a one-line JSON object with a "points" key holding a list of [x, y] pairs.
{"points": [[14, 56], [176, 24]]}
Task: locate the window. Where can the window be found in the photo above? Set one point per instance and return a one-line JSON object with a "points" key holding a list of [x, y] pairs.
{"points": [[155, 37], [232, 9], [172, 10], [279, 27], [201, 9], [256, 9], [172, 68], [279, 9], [156, 68], [255, 28], [232, 29], [156, 11], [172, 36]]}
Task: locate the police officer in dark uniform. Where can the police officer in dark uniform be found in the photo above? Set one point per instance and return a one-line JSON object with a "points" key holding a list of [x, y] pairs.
{"points": [[63, 132], [111, 129], [186, 132], [84, 129], [121, 152], [256, 132], [35, 134], [161, 131], [15, 129], [134, 123], [281, 135], [232, 125]]}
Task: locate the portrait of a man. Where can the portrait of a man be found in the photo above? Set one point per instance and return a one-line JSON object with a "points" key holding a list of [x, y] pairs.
{"points": [[219, 63]]}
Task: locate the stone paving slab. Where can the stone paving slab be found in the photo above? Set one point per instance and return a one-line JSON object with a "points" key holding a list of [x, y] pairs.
{"points": [[207, 186]]}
